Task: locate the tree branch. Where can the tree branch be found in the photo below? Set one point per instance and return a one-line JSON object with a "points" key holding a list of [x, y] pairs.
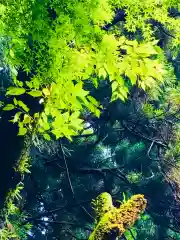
{"points": [[120, 16], [62, 223], [149, 150], [156, 141], [67, 170], [47, 213]]}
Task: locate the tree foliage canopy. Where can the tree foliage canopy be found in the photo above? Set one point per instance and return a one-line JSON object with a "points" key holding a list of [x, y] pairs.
{"points": [[93, 87], [62, 44]]}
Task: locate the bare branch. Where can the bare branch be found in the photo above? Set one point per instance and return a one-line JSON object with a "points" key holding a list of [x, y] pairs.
{"points": [[67, 171], [64, 222], [149, 150], [156, 141], [48, 213]]}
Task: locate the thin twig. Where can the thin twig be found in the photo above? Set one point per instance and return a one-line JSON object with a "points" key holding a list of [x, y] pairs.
{"points": [[64, 222], [47, 213], [84, 209], [67, 170], [167, 33], [149, 150], [156, 141]]}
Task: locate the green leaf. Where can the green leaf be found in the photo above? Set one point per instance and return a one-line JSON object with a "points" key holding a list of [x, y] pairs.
{"points": [[88, 131], [46, 126], [16, 117], [95, 82], [8, 107], [15, 91], [114, 86], [77, 123], [115, 96], [35, 93], [132, 76], [93, 101], [36, 115], [124, 197], [11, 53], [97, 113], [29, 84], [23, 106], [36, 82], [146, 50], [79, 91], [19, 83], [102, 73], [57, 133], [15, 101], [22, 131], [41, 130], [47, 137], [27, 119], [129, 236], [75, 115], [46, 91], [145, 217]]}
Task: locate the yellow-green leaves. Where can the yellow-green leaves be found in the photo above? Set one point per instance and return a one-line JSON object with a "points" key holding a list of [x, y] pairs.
{"points": [[73, 49], [66, 125], [23, 106], [27, 119], [64, 97], [35, 93], [8, 107], [15, 91], [16, 117], [132, 75], [138, 65], [79, 91], [102, 73], [119, 91], [140, 13], [102, 13], [47, 136], [46, 92], [22, 131]]}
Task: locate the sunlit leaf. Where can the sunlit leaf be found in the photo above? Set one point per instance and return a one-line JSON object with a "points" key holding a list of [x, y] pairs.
{"points": [[79, 91], [46, 126], [27, 119], [8, 107], [16, 117], [93, 101], [36, 115], [114, 86], [46, 136], [132, 76], [22, 131], [102, 73], [46, 91], [97, 113], [88, 131], [18, 83], [35, 93], [23, 106], [15, 101], [11, 53], [29, 84], [15, 91]]}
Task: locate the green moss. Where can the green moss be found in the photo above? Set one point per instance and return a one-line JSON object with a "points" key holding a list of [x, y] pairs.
{"points": [[116, 219]]}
